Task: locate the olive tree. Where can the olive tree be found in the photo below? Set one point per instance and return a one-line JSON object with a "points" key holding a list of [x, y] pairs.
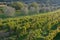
{"points": [[36, 6], [9, 11], [17, 5], [25, 9], [48, 3], [32, 10]]}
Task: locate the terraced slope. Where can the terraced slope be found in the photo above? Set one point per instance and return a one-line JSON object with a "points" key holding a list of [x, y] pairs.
{"points": [[36, 27]]}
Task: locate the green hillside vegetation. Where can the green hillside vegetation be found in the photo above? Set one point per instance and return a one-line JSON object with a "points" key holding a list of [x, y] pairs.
{"points": [[15, 9], [36, 27]]}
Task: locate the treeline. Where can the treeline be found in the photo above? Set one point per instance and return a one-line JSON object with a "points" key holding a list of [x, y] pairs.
{"points": [[15, 9], [38, 27]]}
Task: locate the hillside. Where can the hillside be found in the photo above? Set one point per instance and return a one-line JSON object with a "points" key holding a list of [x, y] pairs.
{"points": [[36, 27]]}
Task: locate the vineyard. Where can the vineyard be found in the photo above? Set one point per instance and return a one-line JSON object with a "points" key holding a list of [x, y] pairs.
{"points": [[36, 27]]}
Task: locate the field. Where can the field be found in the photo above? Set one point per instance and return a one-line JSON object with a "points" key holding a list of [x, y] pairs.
{"points": [[36, 27]]}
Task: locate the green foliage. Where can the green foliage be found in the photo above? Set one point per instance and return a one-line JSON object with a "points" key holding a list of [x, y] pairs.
{"points": [[34, 4], [37, 27], [17, 5]]}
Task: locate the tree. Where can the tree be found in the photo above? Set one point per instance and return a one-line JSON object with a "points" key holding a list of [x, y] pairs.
{"points": [[36, 6], [32, 10], [25, 9], [17, 5], [48, 3], [9, 11]]}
